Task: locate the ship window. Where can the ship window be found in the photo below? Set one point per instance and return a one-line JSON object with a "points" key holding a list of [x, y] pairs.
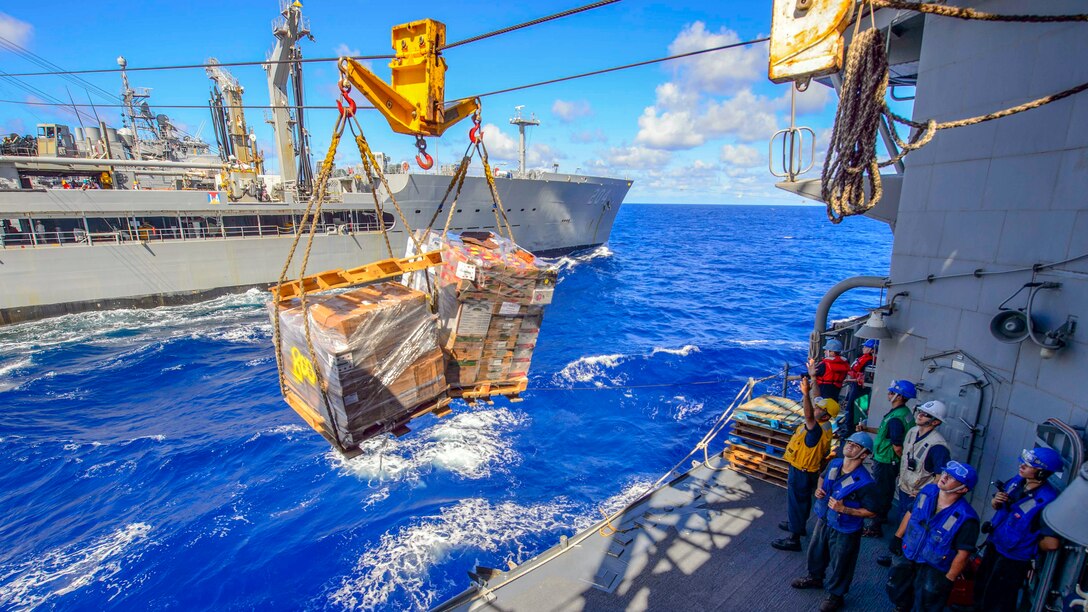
{"points": [[458, 210], [477, 210], [418, 211]]}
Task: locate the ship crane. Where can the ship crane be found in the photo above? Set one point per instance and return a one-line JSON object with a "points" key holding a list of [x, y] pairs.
{"points": [[292, 139], [229, 120]]}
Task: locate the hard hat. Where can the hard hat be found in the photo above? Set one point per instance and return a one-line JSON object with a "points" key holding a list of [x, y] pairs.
{"points": [[871, 343], [1043, 458], [904, 388], [934, 408], [863, 440], [965, 474], [833, 344], [829, 406]]}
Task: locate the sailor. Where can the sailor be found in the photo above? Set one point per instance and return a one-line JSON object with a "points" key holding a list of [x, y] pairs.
{"points": [[925, 452], [830, 373], [855, 384], [845, 498], [888, 449], [806, 453], [1017, 533], [935, 537]]}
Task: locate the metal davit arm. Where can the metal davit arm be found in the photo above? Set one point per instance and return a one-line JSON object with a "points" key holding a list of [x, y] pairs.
{"points": [[824, 308]]}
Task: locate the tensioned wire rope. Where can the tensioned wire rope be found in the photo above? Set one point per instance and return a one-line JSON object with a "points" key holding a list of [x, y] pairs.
{"points": [[744, 43], [472, 39]]}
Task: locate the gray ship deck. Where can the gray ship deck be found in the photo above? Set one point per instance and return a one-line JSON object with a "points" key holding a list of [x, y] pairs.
{"points": [[701, 543]]}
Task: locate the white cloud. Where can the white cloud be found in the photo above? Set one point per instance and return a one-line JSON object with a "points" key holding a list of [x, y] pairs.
{"points": [[742, 156], [636, 157], [588, 136], [673, 97], [720, 71], [344, 50], [671, 130], [745, 115], [569, 111], [18, 32], [502, 147], [812, 100]]}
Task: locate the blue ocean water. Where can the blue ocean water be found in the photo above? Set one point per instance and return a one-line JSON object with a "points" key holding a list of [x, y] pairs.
{"points": [[147, 460]]}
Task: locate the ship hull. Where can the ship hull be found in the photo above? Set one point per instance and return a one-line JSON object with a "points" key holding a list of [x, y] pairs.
{"points": [[550, 216]]}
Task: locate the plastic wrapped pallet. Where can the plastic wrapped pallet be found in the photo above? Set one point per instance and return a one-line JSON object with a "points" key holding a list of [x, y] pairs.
{"points": [[377, 348], [491, 295]]}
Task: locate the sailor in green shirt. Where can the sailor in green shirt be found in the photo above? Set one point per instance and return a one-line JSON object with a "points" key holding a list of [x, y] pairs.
{"points": [[888, 448]]}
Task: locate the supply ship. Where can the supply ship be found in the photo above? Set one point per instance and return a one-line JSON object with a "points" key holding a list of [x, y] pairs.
{"points": [[988, 278], [145, 215]]}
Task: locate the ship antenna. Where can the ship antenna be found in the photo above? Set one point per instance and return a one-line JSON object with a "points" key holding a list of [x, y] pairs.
{"points": [[521, 122]]}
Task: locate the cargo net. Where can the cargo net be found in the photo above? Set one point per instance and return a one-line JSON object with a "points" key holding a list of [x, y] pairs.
{"points": [[360, 355]]}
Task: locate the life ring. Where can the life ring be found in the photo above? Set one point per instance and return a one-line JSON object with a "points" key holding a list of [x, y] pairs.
{"points": [[404, 167]]}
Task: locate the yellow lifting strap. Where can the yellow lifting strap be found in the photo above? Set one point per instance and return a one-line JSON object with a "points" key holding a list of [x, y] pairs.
{"points": [[415, 102]]}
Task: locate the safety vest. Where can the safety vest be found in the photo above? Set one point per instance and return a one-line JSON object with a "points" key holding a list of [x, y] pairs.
{"points": [[835, 369], [1013, 535], [912, 469], [883, 449], [841, 486], [857, 369], [806, 459], [930, 534]]}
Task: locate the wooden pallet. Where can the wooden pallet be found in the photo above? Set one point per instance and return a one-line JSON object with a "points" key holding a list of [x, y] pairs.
{"points": [[756, 457], [772, 437], [486, 390], [758, 471], [339, 279]]}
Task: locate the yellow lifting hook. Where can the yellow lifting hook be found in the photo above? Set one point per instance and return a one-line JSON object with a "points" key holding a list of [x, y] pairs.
{"points": [[415, 102]]}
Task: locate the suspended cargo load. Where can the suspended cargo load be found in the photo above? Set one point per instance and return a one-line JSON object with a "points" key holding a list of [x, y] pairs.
{"points": [[379, 358], [491, 295]]}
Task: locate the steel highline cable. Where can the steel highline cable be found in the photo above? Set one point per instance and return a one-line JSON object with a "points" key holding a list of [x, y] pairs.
{"points": [[490, 93], [538, 21]]}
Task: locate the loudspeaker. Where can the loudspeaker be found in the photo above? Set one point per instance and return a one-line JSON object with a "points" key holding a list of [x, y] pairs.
{"points": [[1010, 326], [1065, 515]]}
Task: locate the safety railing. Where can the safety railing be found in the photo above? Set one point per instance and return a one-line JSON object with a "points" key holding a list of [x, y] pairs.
{"points": [[80, 237]]}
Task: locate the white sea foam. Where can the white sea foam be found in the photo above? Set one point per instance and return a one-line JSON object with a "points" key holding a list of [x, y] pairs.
{"points": [[592, 368], [400, 562], [686, 409], [567, 263], [472, 445], [60, 571], [683, 351]]}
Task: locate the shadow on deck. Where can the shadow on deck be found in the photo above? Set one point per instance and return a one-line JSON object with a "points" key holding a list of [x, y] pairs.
{"points": [[700, 543]]}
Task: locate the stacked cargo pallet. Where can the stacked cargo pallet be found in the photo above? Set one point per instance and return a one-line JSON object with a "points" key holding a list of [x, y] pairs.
{"points": [[491, 297], [378, 355], [761, 429]]}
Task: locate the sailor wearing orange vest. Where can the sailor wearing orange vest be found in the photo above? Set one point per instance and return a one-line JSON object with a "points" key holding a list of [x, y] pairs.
{"points": [[830, 373], [806, 453]]}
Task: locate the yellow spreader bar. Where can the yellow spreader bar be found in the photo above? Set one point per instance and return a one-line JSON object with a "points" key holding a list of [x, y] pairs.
{"points": [[338, 279]]}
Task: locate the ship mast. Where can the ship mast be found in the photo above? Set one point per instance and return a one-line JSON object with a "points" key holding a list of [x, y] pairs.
{"points": [[521, 122], [290, 131], [129, 96]]}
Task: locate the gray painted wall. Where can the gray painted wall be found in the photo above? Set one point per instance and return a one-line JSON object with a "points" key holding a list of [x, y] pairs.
{"points": [[999, 196]]}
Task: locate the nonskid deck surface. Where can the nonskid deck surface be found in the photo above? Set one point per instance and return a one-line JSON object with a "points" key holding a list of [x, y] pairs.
{"points": [[701, 543]]}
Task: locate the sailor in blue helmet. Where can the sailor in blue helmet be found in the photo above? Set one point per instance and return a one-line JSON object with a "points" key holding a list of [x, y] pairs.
{"points": [[845, 497], [936, 537], [857, 384], [1017, 532]]}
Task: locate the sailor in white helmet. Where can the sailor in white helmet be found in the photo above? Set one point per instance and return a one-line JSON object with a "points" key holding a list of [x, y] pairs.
{"points": [[925, 453]]}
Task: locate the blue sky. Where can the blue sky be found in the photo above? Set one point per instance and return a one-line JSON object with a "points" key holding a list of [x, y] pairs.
{"points": [[693, 130]]}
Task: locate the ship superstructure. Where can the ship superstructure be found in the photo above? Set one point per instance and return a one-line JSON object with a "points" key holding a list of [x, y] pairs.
{"points": [[988, 280]]}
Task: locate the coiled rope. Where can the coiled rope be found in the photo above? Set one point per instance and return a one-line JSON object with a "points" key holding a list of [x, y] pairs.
{"points": [[851, 155]]}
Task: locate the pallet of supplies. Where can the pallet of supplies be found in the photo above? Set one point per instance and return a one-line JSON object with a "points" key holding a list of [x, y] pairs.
{"points": [[378, 354], [761, 429], [491, 296]]}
